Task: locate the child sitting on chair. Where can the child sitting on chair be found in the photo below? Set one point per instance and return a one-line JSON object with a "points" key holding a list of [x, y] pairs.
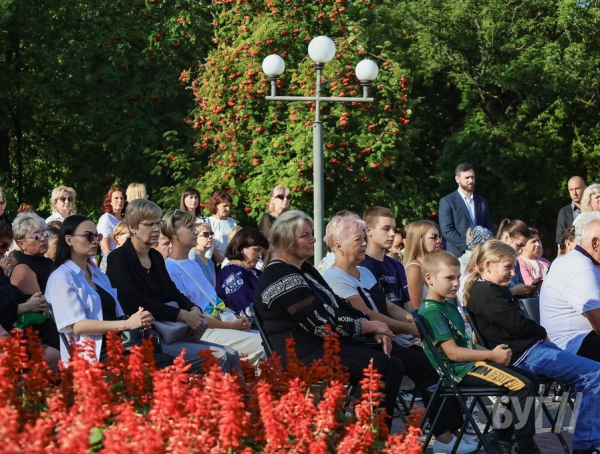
{"points": [[472, 365]]}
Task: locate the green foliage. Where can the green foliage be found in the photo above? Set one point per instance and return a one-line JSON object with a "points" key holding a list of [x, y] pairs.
{"points": [[509, 86], [90, 86], [249, 145]]}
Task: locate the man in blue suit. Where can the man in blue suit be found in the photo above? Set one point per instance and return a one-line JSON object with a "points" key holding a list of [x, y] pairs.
{"points": [[462, 209]]}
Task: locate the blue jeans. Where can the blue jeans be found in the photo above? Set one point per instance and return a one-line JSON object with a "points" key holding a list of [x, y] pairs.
{"points": [[547, 360]]}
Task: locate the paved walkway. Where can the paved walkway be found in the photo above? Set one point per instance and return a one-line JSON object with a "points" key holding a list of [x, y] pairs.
{"points": [[546, 440]]}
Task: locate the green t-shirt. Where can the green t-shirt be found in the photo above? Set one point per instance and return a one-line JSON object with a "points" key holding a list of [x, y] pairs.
{"points": [[443, 322]]}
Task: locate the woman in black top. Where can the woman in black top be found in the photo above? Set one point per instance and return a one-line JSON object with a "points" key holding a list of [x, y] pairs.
{"points": [[293, 300], [279, 203], [139, 274]]}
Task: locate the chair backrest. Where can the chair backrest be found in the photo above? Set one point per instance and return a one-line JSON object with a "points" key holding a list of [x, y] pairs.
{"points": [[427, 339], [475, 328], [531, 307], [259, 323], [62, 336]]}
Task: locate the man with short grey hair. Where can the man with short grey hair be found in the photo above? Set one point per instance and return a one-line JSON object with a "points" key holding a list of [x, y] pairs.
{"points": [[570, 295]]}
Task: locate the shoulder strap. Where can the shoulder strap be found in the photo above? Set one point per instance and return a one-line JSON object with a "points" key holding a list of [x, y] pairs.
{"points": [[211, 299]]}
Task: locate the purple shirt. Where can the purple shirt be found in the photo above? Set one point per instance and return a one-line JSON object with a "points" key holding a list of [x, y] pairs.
{"points": [[391, 278], [235, 286]]}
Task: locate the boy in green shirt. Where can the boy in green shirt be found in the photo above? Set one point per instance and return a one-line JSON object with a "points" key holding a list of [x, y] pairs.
{"points": [[469, 364]]}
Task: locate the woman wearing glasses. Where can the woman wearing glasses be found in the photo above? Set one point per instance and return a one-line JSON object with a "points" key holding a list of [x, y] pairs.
{"points": [[63, 199], [280, 203], [179, 226], [139, 274], [84, 303], [422, 237], [14, 303], [31, 272], [114, 212], [198, 252]]}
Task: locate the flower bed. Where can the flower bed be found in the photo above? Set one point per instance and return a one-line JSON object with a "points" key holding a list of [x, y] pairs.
{"points": [[126, 405]]}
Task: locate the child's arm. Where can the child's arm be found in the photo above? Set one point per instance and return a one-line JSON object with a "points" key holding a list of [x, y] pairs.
{"points": [[501, 354]]}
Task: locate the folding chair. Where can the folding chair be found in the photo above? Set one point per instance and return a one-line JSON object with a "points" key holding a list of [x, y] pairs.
{"points": [[555, 421], [447, 388], [531, 307], [261, 329], [63, 336]]}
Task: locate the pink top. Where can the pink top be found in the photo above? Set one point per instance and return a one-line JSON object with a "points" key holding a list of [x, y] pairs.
{"points": [[532, 269]]}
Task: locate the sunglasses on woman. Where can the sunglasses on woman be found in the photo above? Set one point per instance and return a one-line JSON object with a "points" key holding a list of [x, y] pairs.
{"points": [[90, 236], [207, 234], [281, 196], [435, 236], [38, 236], [65, 199]]}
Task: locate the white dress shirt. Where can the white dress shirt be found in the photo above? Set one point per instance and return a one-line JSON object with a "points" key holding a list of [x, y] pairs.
{"points": [[74, 299]]}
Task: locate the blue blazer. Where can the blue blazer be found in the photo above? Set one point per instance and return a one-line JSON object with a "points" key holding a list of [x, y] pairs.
{"points": [[455, 220]]}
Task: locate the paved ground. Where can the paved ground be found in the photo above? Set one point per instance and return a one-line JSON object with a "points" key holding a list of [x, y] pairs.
{"points": [[546, 440]]}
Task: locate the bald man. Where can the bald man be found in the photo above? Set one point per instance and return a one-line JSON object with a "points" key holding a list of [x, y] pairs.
{"points": [[570, 295], [567, 214]]}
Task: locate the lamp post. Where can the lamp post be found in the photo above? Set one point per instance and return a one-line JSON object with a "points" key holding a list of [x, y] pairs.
{"points": [[321, 50]]}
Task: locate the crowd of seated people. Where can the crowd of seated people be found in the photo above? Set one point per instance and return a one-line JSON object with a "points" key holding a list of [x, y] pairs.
{"points": [[139, 267]]}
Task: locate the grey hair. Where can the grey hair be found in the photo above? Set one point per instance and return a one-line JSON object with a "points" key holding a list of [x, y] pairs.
{"points": [[582, 224], [283, 231], [586, 197], [141, 210], [25, 223], [341, 226]]}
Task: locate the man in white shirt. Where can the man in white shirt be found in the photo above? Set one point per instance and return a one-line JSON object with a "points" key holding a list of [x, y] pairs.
{"points": [[462, 209], [570, 295]]}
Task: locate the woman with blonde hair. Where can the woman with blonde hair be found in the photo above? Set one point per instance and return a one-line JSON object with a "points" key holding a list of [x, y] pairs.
{"points": [[119, 236], [590, 200], [62, 199], [136, 191], [279, 203], [422, 237], [3, 201], [198, 252], [179, 226]]}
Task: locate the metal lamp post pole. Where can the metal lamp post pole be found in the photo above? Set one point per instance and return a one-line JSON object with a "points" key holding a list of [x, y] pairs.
{"points": [[318, 172], [318, 159]]}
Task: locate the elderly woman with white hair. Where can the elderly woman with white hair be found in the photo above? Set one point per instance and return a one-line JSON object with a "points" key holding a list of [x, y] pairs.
{"points": [[279, 203], [63, 199], [31, 272], [590, 200], [293, 300]]}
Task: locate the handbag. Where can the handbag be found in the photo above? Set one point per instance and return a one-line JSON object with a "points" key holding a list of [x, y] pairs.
{"points": [[30, 318], [172, 331], [134, 337], [216, 308]]}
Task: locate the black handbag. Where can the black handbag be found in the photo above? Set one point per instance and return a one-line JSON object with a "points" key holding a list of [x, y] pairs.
{"points": [[132, 337]]}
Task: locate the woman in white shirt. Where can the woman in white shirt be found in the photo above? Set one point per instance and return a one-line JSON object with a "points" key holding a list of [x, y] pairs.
{"points": [[179, 226], [84, 303], [220, 222], [63, 199], [114, 212]]}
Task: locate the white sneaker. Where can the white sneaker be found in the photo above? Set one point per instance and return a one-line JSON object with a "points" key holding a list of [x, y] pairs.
{"points": [[468, 440], [446, 448]]}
